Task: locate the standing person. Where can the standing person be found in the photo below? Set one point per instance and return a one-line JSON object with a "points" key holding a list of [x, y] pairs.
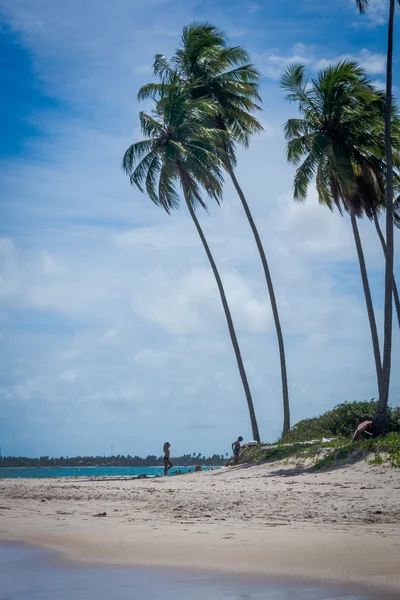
{"points": [[167, 463], [236, 449]]}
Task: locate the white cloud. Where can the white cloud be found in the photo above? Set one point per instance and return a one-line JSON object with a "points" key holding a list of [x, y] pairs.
{"points": [[273, 64], [191, 303], [377, 14], [50, 266], [372, 62], [252, 7], [70, 375]]}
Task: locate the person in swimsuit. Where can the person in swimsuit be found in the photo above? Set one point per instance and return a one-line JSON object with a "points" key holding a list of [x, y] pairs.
{"points": [[167, 463], [236, 449]]}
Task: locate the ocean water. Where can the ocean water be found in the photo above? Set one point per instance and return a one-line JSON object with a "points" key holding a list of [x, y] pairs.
{"points": [[22, 472], [30, 573]]}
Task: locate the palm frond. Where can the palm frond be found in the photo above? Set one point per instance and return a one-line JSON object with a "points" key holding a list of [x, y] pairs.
{"points": [[295, 84], [297, 127], [340, 137], [168, 195], [152, 177], [396, 212], [135, 153], [235, 56], [303, 178], [297, 148], [362, 5], [150, 126], [155, 91], [138, 174], [324, 190], [343, 168], [161, 66], [184, 143], [202, 33]]}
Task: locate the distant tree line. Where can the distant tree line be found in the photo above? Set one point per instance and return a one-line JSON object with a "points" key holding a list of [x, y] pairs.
{"points": [[110, 461]]}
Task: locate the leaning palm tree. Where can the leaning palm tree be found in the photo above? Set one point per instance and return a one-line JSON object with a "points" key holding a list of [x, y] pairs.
{"points": [[381, 415], [179, 150], [209, 68], [338, 141]]}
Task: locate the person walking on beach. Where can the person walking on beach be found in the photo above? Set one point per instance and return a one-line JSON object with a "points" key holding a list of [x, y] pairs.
{"points": [[167, 463], [236, 450]]}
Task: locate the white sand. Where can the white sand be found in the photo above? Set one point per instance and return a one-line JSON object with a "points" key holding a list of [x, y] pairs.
{"points": [[341, 525]]}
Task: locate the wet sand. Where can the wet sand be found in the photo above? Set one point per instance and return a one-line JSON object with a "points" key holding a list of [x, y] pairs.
{"points": [[272, 520], [27, 572]]}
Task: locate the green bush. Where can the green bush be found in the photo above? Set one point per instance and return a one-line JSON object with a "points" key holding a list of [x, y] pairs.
{"points": [[386, 449], [341, 421]]}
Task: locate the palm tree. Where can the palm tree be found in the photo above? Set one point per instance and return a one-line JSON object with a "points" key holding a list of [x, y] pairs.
{"points": [[381, 419], [340, 138], [211, 69], [180, 149]]}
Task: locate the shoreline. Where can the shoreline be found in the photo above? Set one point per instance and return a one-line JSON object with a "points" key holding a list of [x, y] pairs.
{"points": [[95, 575], [356, 558], [266, 521]]}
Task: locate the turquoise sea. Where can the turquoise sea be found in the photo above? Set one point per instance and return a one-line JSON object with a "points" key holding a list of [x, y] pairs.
{"points": [[23, 472], [28, 573]]}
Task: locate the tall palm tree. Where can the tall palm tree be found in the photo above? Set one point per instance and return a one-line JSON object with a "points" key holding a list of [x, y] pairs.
{"points": [[340, 140], [381, 418], [179, 149], [211, 69]]}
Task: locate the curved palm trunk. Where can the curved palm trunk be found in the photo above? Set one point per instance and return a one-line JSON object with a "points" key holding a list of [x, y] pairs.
{"points": [[381, 417], [395, 290], [228, 316], [274, 306], [368, 301]]}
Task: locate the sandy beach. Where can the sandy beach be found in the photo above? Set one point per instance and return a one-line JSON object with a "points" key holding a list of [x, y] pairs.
{"points": [[340, 525]]}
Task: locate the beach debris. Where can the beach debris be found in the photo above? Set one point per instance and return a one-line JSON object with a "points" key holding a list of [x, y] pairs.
{"points": [[103, 514], [197, 468], [142, 476]]}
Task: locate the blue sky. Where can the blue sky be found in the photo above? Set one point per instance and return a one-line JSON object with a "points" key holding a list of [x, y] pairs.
{"points": [[111, 329]]}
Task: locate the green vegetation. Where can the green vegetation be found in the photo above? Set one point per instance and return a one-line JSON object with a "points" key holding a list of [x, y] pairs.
{"points": [[304, 442], [298, 451], [341, 421], [386, 449]]}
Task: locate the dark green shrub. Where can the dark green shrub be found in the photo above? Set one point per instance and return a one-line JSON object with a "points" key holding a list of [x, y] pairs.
{"points": [[341, 421]]}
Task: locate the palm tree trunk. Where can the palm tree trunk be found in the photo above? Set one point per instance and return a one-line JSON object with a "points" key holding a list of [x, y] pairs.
{"points": [[228, 316], [381, 417], [368, 301], [274, 306], [395, 290]]}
